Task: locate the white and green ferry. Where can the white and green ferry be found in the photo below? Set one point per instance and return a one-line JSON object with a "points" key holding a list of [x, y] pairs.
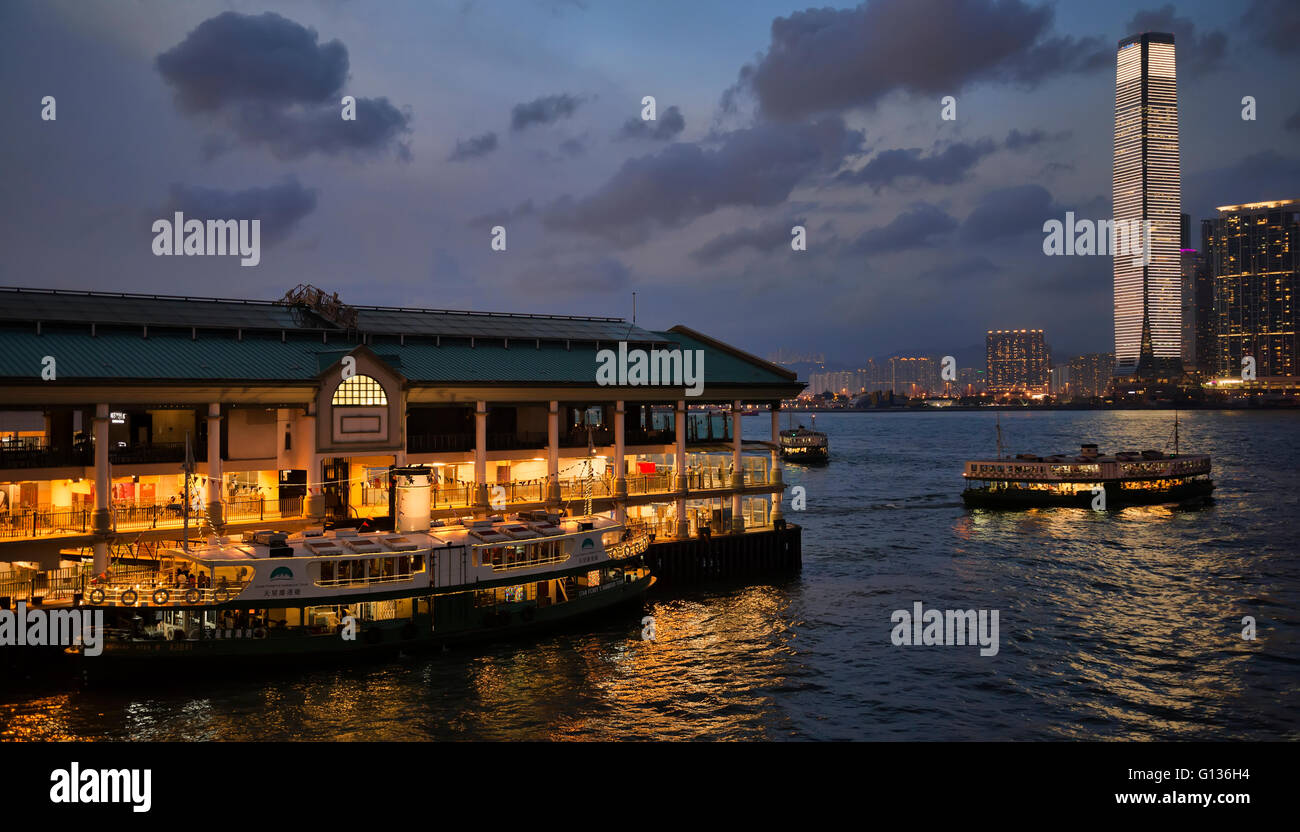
{"points": [[276, 596]]}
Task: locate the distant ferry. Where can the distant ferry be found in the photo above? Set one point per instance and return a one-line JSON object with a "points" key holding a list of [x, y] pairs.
{"points": [[803, 445], [1126, 478], [273, 596]]}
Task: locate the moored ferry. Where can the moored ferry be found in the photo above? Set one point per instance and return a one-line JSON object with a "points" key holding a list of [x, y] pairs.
{"points": [[1125, 478], [276, 596]]}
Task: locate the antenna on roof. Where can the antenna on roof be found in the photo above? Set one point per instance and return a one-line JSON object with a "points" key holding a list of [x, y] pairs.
{"points": [[326, 306]]}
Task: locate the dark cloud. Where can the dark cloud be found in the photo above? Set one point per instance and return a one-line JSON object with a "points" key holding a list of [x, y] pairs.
{"points": [[663, 128], [1275, 23], [1257, 177], [1293, 123], [1017, 140], [271, 83], [1010, 212], [587, 277], [1196, 55], [946, 167], [917, 227], [235, 57], [963, 269], [294, 133], [757, 166], [279, 207], [545, 110], [573, 148], [523, 209], [474, 147], [827, 59], [765, 237]]}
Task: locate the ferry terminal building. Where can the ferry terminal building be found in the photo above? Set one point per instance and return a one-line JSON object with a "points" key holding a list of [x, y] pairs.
{"points": [[296, 410]]}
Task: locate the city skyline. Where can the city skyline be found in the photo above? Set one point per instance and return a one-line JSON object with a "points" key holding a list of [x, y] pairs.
{"points": [[913, 222]]}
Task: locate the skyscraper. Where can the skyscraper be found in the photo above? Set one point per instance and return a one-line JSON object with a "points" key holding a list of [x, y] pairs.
{"points": [[1254, 253], [1018, 361], [1146, 188]]}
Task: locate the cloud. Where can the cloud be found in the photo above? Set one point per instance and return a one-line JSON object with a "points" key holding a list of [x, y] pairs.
{"points": [[766, 237], [1257, 177], [545, 110], [822, 60], [962, 269], [573, 148], [1196, 55], [1293, 123], [501, 217], [474, 147], [587, 277], [270, 82], [1275, 23], [280, 207], [916, 227], [294, 133], [234, 57], [946, 167], [757, 166], [1010, 212], [1016, 140], [663, 128]]}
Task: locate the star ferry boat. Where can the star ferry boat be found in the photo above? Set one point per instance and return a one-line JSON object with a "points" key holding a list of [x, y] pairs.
{"points": [[1125, 478], [276, 596]]}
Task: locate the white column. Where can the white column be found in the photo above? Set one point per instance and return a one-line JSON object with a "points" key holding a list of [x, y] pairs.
{"points": [[101, 520], [480, 459], [553, 455], [737, 472], [620, 463], [305, 450], [679, 464], [216, 481], [779, 495]]}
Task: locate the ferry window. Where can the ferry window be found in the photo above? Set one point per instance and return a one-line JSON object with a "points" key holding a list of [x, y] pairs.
{"points": [[327, 571], [359, 391]]}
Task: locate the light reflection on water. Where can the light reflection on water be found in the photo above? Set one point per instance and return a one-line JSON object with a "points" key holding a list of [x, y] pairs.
{"points": [[1123, 624]]}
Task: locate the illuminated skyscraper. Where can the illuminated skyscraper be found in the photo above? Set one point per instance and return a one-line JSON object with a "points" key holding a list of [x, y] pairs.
{"points": [[1146, 187], [1255, 257], [1018, 361]]}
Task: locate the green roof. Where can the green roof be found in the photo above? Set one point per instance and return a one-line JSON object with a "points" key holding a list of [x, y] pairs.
{"points": [[162, 356]]}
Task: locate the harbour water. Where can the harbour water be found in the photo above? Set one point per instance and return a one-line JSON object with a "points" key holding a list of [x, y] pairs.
{"points": [[1123, 624]]}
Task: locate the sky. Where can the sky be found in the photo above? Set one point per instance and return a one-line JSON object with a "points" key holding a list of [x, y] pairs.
{"points": [[921, 232]]}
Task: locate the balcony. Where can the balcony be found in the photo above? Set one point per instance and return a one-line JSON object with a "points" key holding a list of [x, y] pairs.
{"points": [[37, 453], [161, 452], [432, 443]]}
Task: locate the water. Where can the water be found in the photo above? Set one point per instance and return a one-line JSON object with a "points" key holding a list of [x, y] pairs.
{"points": [[1112, 625]]}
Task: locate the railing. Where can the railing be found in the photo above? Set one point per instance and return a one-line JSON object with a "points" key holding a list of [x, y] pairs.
{"points": [[637, 542], [156, 453], [425, 443], [651, 483], [37, 453], [129, 517], [576, 489], [40, 522]]}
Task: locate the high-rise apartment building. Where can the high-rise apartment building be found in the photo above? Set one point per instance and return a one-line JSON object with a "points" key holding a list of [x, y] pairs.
{"points": [[1017, 360], [1254, 255]]}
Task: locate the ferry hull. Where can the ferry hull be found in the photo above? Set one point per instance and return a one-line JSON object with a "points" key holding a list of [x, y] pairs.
{"points": [[1116, 497], [374, 639]]}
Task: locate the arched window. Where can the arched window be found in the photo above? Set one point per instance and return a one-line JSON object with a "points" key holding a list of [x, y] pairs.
{"points": [[359, 391]]}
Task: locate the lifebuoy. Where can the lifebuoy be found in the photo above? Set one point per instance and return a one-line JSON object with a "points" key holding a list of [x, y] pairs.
{"points": [[221, 595], [129, 597], [161, 596], [97, 595], [191, 596]]}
